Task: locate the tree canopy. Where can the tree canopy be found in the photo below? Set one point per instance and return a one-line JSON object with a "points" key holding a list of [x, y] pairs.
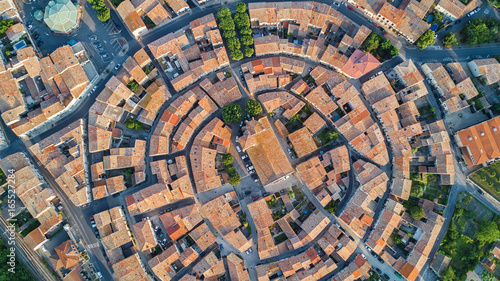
{"points": [[236, 54], [247, 40], [246, 31], [241, 7], [449, 39], [227, 159], [223, 13], [382, 49], [249, 51], [229, 34], [426, 39], [253, 107], [234, 179], [4, 25], [133, 85], [242, 20], [448, 274], [487, 232], [231, 113], [479, 31], [103, 13], [416, 212]]}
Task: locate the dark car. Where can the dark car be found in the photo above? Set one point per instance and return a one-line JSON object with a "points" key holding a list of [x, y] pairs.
{"points": [[380, 260], [480, 191], [458, 21], [170, 209], [448, 27], [378, 270], [247, 192], [39, 43], [283, 191], [387, 277]]}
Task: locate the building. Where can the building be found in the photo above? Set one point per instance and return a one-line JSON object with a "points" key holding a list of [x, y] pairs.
{"points": [[62, 16], [487, 69], [440, 263], [15, 32], [360, 63], [480, 143], [265, 151]]}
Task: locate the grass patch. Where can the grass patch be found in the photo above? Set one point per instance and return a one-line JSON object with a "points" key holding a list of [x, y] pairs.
{"points": [[488, 178], [30, 228], [280, 238], [327, 136]]}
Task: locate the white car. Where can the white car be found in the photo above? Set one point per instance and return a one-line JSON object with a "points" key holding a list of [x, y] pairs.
{"points": [[363, 255], [247, 252], [238, 148], [237, 139]]}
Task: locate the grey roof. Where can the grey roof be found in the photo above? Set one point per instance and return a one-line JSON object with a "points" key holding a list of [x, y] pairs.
{"points": [[61, 15]]}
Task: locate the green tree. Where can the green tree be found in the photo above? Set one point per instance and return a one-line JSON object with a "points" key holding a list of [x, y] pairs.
{"points": [[458, 212], [246, 31], [487, 232], [416, 212], [477, 33], [229, 34], [253, 107], [426, 39], [231, 113], [249, 51], [226, 23], [449, 39], [236, 55], [103, 14], [233, 44], [234, 179], [486, 276], [242, 20], [290, 193], [437, 14], [133, 85], [230, 169], [371, 43], [227, 159], [241, 7], [448, 274], [4, 25], [247, 40], [130, 123], [494, 3], [223, 13], [417, 188]]}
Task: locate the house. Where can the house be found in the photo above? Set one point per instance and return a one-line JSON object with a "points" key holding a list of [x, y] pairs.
{"points": [[302, 142], [480, 143], [178, 6], [360, 63], [487, 69], [145, 236], [265, 151], [68, 254], [440, 263], [15, 32]]}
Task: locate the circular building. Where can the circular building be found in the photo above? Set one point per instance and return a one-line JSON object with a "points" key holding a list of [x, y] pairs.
{"points": [[61, 16]]}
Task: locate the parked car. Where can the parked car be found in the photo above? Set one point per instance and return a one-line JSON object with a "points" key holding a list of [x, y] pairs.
{"points": [[350, 8], [170, 209], [98, 45], [378, 270], [336, 4], [247, 192], [117, 66], [380, 260], [244, 157], [163, 212], [266, 194], [480, 191], [39, 43], [283, 191], [238, 148], [93, 38], [387, 276], [104, 56], [255, 198]]}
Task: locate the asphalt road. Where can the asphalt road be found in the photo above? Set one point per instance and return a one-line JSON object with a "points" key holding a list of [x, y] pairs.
{"points": [[77, 216]]}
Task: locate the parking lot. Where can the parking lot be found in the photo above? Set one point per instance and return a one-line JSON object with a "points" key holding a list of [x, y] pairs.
{"points": [[47, 41]]}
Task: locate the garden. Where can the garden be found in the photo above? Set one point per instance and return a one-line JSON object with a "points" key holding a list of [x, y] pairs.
{"points": [[488, 178], [428, 188], [480, 31], [472, 234]]}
